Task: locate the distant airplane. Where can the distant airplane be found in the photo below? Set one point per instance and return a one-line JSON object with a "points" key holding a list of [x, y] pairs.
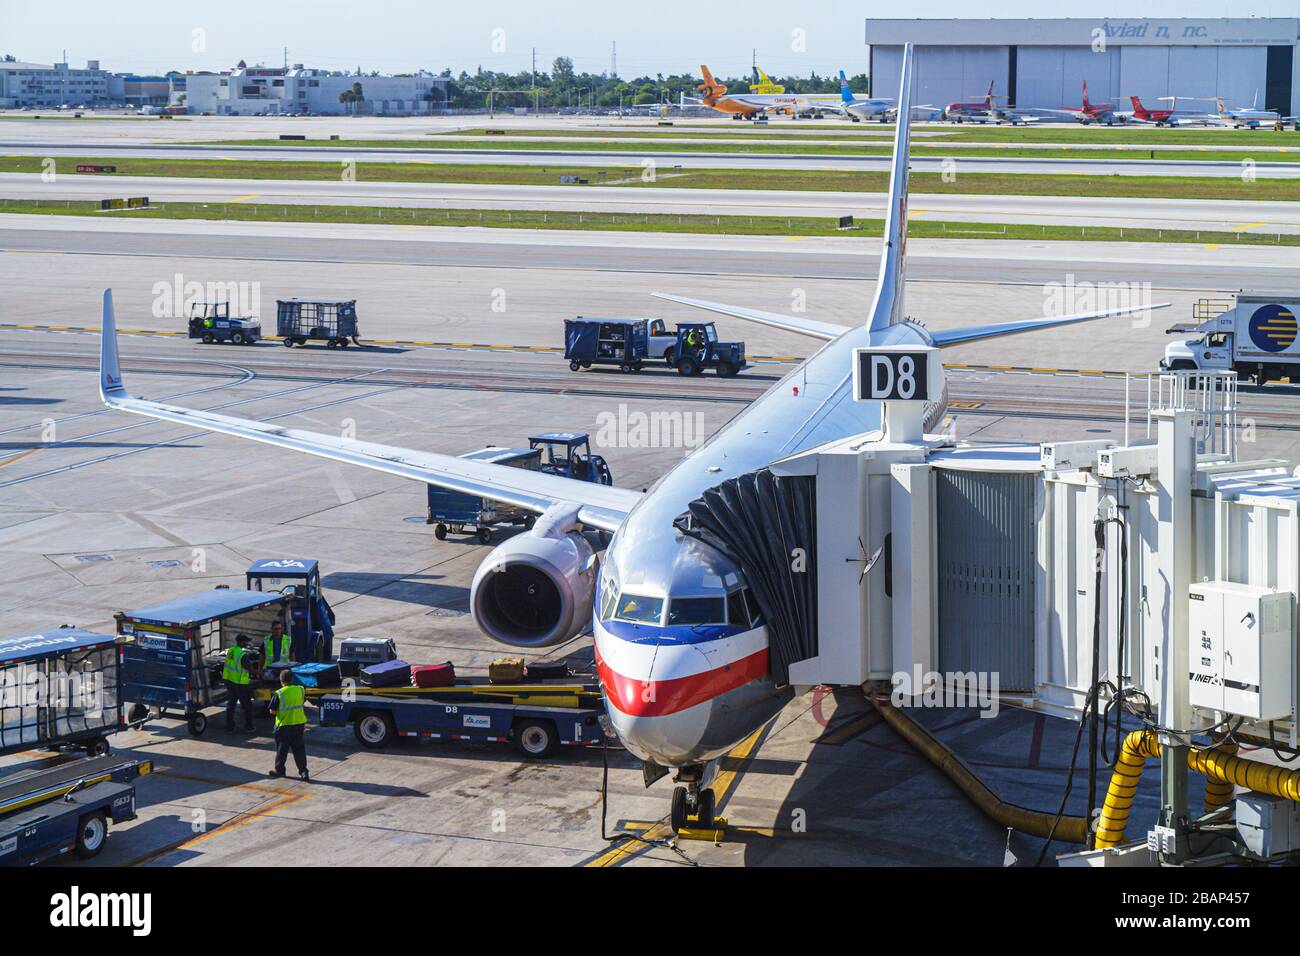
{"points": [[756, 104], [1250, 118], [985, 110], [763, 84], [863, 108], [1162, 117], [1091, 112]]}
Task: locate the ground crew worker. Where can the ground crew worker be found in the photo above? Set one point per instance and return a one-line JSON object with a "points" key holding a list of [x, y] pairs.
{"points": [[238, 687], [695, 341], [278, 646], [287, 704]]}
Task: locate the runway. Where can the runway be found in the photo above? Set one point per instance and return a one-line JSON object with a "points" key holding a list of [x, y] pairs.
{"points": [[664, 159], [1172, 213], [1173, 266]]}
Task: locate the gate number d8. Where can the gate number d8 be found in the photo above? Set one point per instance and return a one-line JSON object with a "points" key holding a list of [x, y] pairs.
{"points": [[893, 376]]}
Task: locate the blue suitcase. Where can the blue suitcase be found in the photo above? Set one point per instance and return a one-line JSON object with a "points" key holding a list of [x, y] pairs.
{"points": [[387, 674], [318, 675]]}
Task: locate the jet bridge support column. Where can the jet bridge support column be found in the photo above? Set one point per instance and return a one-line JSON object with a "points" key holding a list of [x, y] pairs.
{"points": [[1168, 618]]}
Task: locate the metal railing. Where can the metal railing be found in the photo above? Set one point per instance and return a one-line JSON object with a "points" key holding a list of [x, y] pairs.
{"points": [[1210, 396], [1210, 308]]}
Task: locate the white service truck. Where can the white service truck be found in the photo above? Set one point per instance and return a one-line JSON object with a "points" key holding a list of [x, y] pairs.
{"points": [[1253, 335]]}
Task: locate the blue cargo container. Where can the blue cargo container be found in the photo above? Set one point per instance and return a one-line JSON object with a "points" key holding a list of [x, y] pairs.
{"points": [[621, 342], [61, 687], [457, 511], [174, 652]]}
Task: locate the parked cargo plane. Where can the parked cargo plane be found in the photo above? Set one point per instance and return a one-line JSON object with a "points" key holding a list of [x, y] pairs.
{"points": [[1250, 118], [682, 647]]}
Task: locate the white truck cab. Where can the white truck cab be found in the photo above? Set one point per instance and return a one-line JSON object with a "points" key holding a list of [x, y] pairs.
{"points": [[1253, 335]]}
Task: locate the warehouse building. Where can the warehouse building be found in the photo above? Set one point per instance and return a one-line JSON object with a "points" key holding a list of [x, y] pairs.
{"points": [[51, 84], [1044, 63], [261, 90]]}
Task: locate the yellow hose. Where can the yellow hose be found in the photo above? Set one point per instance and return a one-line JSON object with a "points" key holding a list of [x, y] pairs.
{"points": [[1033, 822], [1222, 767]]}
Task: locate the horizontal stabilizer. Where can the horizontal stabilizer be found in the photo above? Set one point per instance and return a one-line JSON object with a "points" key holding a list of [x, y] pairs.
{"points": [[818, 330], [978, 333]]}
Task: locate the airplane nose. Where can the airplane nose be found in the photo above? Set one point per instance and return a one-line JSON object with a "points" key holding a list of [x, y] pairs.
{"points": [[669, 739]]}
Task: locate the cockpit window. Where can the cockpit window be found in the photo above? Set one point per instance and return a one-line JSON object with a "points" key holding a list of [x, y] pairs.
{"points": [[639, 608], [742, 611], [608, 594], [697, 610]]}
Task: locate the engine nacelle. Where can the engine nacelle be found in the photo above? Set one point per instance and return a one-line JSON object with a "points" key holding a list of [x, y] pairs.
{"points": [[537, 588]]}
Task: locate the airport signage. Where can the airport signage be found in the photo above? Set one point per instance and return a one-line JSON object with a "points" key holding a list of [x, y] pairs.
{"points": [[133, 202], [91, 168], [893, 374]]}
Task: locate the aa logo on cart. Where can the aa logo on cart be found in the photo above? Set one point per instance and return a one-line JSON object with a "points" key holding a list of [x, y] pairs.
{"points": [[1273, 328]]}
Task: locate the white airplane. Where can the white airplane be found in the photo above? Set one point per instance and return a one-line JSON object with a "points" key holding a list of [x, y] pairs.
{"points": [[681, 637], [860, 108], [1251, 118]]}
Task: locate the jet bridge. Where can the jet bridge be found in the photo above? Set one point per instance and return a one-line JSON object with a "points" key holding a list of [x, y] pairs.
{"points": [[1161, 569]]}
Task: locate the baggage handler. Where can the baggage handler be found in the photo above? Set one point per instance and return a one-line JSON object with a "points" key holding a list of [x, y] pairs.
{"points": [[238, 687], [287, 704]]}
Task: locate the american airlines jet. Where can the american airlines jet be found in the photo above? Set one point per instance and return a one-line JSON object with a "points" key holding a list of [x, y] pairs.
{"points": [[682, 648]]}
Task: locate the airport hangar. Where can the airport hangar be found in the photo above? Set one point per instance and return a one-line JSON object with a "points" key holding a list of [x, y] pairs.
{"points": [[1043, 63]]}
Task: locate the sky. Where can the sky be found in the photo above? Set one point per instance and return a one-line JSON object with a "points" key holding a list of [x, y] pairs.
{"points": [[151, 36]]}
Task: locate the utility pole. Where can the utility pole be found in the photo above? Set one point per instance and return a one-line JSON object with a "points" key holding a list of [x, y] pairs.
{"points": [[286, 58], [613, 60], [534, 66]]}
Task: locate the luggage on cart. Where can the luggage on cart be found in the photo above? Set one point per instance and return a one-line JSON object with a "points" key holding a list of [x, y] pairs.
{"points": [[548, 670], [506, 670], [358, 652], [271, 672], [434, 675], [388, 674], [318, 675]]}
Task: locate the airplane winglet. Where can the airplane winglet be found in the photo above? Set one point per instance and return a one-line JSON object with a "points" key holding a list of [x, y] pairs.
{"points": [[111, 386], [887, 308]]}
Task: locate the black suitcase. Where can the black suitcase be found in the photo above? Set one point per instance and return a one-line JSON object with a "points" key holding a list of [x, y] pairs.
{"points": [[388, 674], [548, 670]]}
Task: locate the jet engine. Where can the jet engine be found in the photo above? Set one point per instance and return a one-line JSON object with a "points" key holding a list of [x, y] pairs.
{"points": [[537, 588]]}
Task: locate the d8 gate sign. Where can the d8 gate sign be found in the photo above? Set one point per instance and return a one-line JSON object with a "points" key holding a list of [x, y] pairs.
{"points": [[892, 374]]}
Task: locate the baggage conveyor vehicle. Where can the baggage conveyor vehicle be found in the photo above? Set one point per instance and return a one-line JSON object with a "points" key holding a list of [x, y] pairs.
{"points": [[536, 728], [49, 811]]}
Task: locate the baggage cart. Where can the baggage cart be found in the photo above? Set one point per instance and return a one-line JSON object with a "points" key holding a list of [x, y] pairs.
{"points": [[60, 688], [621, 342], [460, 513], [174, 652], [299, 321]]}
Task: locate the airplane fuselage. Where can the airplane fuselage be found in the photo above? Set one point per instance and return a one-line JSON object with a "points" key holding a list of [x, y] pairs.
{"points": [[682, 693]]}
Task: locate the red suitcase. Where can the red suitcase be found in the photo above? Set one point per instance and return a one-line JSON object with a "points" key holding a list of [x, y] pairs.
{"points": [[434, 675]]}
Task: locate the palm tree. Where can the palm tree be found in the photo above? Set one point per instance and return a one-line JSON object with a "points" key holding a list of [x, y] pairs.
{"points": [[347, 97]]}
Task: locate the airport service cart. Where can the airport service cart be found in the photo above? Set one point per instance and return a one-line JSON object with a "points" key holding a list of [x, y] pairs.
{"points": [[311, 619], [211, 322], [621, 342], [568, 454], [49, 811], [60, 688], [456, 511], [299, 321], [174, 652], [537, 729]]}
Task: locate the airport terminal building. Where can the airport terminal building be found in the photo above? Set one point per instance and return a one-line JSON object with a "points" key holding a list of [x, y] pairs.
{"points": [[1043, 63]]}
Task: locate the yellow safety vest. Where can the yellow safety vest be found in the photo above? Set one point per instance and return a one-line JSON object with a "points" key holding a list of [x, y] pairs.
{"points": [[288, 706], [286, 648], [235, 671]]}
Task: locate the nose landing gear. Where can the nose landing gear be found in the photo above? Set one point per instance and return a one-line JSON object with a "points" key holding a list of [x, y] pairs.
{"points": [[693, 805]]}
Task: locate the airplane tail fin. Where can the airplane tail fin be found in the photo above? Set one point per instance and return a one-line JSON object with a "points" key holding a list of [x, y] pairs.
{"points": [[710, 86], [1137, 106], [111, 385], [887, 309], [1086, 104], [988, 97], [846, 94]]}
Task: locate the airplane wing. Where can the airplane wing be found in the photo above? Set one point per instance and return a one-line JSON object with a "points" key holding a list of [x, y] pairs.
{"points": [[818, 330], [600, 506]]}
